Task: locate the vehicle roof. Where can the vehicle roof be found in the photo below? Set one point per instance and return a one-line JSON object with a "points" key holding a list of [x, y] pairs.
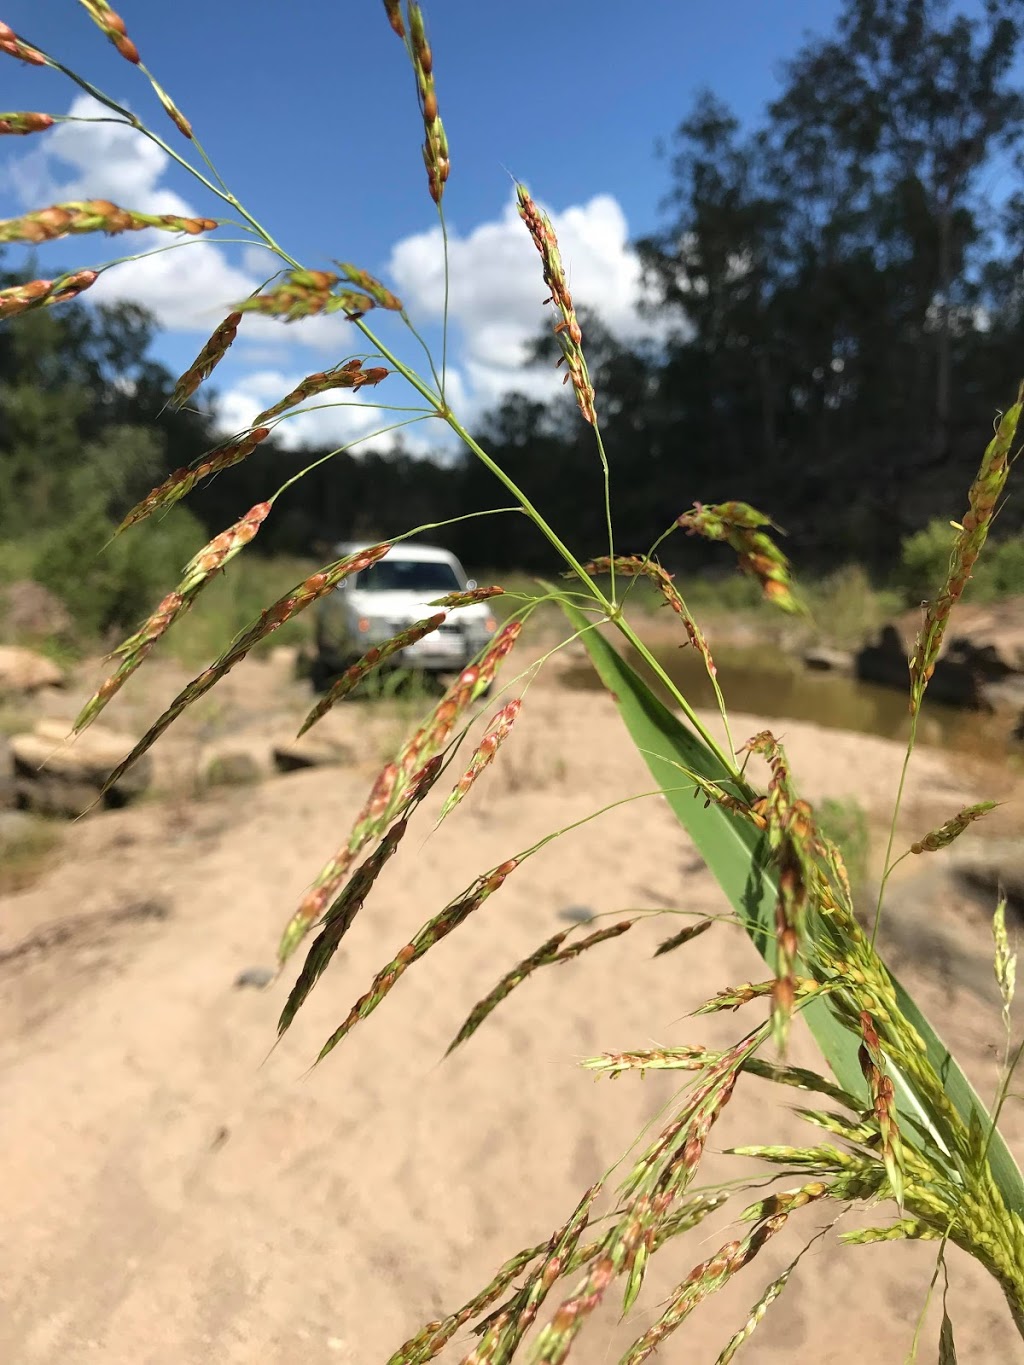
{"points": [[428, 553]]}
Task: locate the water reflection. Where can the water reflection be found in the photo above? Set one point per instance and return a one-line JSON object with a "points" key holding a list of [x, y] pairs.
{"points": [[767, 682]]}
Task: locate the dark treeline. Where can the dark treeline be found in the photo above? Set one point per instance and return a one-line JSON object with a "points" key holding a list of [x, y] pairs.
{"points": [[837, 297]]}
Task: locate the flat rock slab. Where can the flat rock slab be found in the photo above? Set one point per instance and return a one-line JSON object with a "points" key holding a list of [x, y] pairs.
{"points": [[23, 670], [311, 751], [57, 776]]}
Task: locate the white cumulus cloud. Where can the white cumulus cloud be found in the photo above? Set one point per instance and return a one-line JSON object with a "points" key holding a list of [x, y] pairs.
{"points": [[496, 290]]}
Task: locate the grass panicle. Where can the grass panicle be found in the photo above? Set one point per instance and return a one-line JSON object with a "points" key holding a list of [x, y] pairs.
{"points": [[111, 23], [210, 560], [677, 940], [756, 1315], [570, 337], [338, 921], [549, 953], [497, 732], [362, 279], [179, 484], [436, 157], [94, 215], [350, 375], [435, 929], [207, 360], [16, 47], [21, 124], [953, 828], [363, 666], [304, 294], [21, 298], [742, 528], [982, 499], [284, 609], [1005, 961], [468, 598]]}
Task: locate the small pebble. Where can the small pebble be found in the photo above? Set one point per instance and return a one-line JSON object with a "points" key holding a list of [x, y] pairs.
{"points": [[257, 977]]}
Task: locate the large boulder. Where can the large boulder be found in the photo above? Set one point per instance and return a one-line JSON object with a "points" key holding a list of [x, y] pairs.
{"points": [[30, 611], [23, 670], [55, 775], [956, 681], [8, 791]]}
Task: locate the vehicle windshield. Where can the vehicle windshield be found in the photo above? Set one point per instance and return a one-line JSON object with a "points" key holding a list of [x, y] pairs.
{"points": [[409, 575]]}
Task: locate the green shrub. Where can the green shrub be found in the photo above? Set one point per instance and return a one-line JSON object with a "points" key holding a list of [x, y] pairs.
{"points": [[118, 585]]}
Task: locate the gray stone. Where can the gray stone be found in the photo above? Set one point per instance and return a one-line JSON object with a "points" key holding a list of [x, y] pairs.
{"points": [[259, 978], [311, 751], [23, 670], [823, 659]]}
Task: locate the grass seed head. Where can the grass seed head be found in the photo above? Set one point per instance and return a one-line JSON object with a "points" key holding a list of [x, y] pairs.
{"points": [[94, 215], [20, 124], [207, 360], [952, 829], [14, 47], [351, 375], [21, 298], [568, 331], [467, 598], [435, 147], [182, 481], [740, 527], [496, 734], [113, 26], [363, 280], [393, 9], [983, 496]]}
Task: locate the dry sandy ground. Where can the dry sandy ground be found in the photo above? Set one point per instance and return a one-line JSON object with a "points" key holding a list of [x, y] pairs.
{"points": [[172, 1195]]}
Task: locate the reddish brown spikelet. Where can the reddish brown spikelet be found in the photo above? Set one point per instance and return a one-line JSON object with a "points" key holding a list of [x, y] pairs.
{"points": [[298, 599], [363, 280], [20, 298], [372, 659], [197, 574], [20, 124], [432, 932], [393, 9], [952, 829], [435, 146], [872, 1064], [172, 111], [982, 498], [691, 931], [351, 375], [113, 26], [302, 294], [497, 732], [182, 481], [207, 360], [568, 329], [15, 47], [338, 921], [741, 527], [705, 1279], [548, 953], [94, 215], [467, 598]]}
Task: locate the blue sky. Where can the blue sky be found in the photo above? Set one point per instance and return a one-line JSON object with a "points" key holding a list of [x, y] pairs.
{"points": [[310, 114]]}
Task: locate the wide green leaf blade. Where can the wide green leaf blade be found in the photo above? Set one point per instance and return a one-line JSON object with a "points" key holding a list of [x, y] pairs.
{"points": [[736, 854]]}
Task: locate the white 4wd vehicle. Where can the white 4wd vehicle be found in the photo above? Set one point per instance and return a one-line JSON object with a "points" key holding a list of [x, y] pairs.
{"points": [[371, 606]]}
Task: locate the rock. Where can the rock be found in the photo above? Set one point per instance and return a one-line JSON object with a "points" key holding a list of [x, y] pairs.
{"points": [[29, 609], [824, 659], [55, 776], [311, 751], [17, 828], [8, 793], [576, 914], [259, 978], [956, 681], [993, 866], [232, 767], [23, 670]]}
